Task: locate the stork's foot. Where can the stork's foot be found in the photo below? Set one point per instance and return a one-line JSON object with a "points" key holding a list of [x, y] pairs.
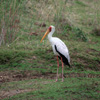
{"points": [[56, 80]]}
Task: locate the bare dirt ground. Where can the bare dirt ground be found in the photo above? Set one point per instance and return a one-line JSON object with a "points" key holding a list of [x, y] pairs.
{"points": [[5, 94], [9, 76]]}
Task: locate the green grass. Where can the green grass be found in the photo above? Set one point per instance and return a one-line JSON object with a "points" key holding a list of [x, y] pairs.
{"points": [[71, 88], [74, 22]]}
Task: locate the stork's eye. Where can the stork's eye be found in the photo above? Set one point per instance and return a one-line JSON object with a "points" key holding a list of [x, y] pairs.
{"points": [[50, 28]]}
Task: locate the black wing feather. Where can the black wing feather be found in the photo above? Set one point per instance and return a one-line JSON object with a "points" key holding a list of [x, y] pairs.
{"points": [[65, 60]]}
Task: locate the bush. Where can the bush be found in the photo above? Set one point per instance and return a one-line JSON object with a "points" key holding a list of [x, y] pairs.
{"points": [[79, 34], [74, 32]]}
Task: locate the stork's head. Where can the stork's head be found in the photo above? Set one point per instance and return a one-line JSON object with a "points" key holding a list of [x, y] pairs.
{"points": [[50, 30]]}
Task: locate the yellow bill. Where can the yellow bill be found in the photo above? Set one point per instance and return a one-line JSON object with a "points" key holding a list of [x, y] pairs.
{"points": [[45, 34]]}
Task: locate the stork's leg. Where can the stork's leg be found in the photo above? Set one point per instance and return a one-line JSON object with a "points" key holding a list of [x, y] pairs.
{"points": [[62, 69], [57, 69]]}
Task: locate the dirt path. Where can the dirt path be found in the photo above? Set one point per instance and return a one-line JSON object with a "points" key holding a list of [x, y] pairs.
{"points": [[5, 94]]}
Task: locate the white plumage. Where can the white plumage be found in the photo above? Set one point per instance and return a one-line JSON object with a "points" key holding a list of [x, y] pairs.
{"points": [[59, 48]]}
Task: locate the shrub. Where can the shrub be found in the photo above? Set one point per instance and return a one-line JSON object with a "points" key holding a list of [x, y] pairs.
{"points": [[79, 34]]}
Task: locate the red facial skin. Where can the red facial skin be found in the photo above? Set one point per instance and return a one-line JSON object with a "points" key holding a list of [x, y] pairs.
{"points": [[50, 29]]}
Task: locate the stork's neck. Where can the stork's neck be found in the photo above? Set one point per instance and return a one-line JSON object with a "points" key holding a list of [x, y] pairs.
{"points": [[50, 35]]}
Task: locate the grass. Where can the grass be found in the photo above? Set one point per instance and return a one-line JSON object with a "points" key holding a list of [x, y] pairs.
{"points": [[28, 67], [72, 88]]}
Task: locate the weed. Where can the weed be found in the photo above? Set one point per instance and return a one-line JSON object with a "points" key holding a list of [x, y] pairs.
{"points": [[80, 3]]}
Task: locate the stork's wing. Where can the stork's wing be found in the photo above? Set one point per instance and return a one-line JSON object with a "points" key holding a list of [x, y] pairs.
{"points": [[62, 48]]}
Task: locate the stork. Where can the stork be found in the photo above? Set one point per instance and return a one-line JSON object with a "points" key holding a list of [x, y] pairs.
{"points": [[59, 49]]}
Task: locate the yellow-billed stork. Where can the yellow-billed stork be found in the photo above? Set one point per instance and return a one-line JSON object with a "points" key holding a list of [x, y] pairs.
{"points": [[59, 49]]}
